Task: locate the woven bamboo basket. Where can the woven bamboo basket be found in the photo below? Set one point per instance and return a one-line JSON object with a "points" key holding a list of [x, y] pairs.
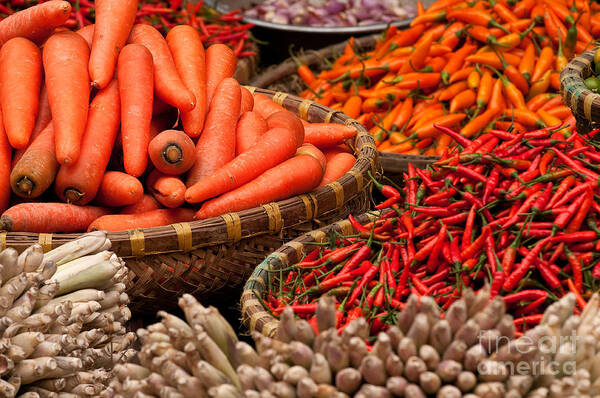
{"points": [[283, 77], [584, 103], [254, 314], [218, 254]]}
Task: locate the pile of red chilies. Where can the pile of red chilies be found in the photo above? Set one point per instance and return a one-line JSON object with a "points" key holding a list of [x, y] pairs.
{"points": [[516, 211], [163, 15]]}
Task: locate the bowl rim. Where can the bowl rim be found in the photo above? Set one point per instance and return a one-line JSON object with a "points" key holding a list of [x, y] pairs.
{"points": [[341, 30]]}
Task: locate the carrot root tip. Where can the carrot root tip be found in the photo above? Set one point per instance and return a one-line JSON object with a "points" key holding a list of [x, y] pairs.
{"points": [[72, 195], [25, 186], [172, 154]]}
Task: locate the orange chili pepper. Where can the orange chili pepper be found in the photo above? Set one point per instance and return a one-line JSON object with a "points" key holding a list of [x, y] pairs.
{"points": [[478, 123], [436, 64], [512, 93], [516, 78], [504, 13], [426, 117], [475, 17], [541, 86], [405, 112], [428, 17], [527, 62], [375, 105], [485, 89], [428, 131], [523, 8], [555, 80], [453, 90], [461, 74], [497, 101], [473, 79], [493, 59], [417, 60], [420, 8], [456, 61], [463, 100], [539, 100], [562, 112], [352, 106], [451, 36], [543, 63], [412, 81], [548, 118], [526, 118]]}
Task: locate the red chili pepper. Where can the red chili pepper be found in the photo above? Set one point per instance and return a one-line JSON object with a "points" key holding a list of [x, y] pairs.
{"points": [[473, 249], [468, 231], [497, 282], [580, 300], [368, 276], [563, 218], [529, 320], [432, 261], [525, 295], [575, 269], [517, 275], [564, 186], [411, 184], [359, 256]]}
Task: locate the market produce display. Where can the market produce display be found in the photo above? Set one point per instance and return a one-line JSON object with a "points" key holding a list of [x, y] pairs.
{"points": [[516, 210], [63, 319], [461, 65], [163, 15], [332, 13], [232, 150], [423, 355]]}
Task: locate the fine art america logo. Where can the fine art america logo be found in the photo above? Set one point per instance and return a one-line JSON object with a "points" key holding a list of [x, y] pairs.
{"points": [[547, 356]]}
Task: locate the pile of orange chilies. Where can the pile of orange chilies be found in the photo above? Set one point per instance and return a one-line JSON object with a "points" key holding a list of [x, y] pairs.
{"points": [[464, 65]]}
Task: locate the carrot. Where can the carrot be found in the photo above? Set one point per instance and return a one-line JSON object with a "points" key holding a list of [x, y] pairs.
{"points": [[65, 58], [216, 145], [5, 152], [220, 64], [168, 190], [265, 105], [149, 219], [289, 121], [249, 129], [44, 117], [188, 54], [79, 182], [35, 23], [247, 103], [114, 20], [20, 80], [136, 82], [325, 135], [167, 83], [272, 148], [119, 189], [302, 173], [147, 203], [49, 217], [172, 152], [35, 171], [87, 32], [338, 163]]}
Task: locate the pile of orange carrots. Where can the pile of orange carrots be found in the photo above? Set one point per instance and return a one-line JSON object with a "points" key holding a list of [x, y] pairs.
{"points": [[157, 133], [464, 65]]}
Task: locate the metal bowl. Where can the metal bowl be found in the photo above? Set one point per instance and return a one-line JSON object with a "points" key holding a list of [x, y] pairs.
{"points": [[279, 37]]}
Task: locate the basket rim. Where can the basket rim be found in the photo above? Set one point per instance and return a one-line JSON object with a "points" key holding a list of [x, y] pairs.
{"points": [[254, 314], [233, 227], [582, 101]]}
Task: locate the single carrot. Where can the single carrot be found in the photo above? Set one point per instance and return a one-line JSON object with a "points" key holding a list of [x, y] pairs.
{"points": [[20, 81], [114, 20], [188, 53], [288, 121], [35, 171], [35, 23], [248, 131], [338, 164], [136, 91], [79, 182], [273, 147], [299, 174], [216, 145], [5, 152], [168, 190], [327, 135], [265, 105], [65, 57], [44, 117], [49, 217], [149, 219], [147, 203], [247, 102], [220, 64], [167, 83], [119, 189], [87, 32], [172, 152]]}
